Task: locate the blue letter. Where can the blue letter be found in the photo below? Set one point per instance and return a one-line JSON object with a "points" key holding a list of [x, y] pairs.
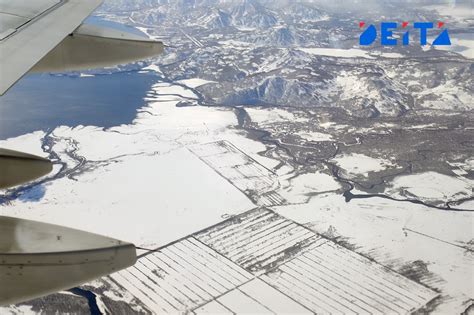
{"points": [[423, 28], [406, 38], [368, 36], [386, 34], [443, 39]]}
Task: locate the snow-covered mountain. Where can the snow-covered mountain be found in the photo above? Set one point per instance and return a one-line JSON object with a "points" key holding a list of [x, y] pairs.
{"points": [[217, 19], [298, 54], [250, 13]]}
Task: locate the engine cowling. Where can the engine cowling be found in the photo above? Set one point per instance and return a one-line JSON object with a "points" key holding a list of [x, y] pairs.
{"points": [[92, 46]]}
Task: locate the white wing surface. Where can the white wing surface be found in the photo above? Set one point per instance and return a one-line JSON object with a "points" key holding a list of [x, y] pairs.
{"points": [[29, 30]]}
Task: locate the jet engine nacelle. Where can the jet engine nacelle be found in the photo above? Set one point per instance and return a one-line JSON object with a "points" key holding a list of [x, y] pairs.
{"points": [[92, 46], [37, 259], [17, 168]]}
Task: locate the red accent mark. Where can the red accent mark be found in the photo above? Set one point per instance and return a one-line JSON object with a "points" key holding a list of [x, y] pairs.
{"points": [[361, 24], [440, 24], [404, 24]]}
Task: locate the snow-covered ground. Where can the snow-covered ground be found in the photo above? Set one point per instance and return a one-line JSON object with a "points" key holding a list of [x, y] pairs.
{"points": [[337, 52], [272, 115], [431, 186], [194, 83], [459, 13], [29, 143], [359, 164], [300, 189], [397, 234], [314, 136], [141, 183], [178, 170], [462, 44], [349, 53]]}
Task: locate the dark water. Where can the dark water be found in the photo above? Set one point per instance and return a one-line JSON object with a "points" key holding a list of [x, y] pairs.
{"points": [[91, 299], [43, 102]]}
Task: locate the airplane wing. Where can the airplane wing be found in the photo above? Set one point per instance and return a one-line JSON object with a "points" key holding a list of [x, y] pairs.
{"points": [[29, 30], [37, 259], [48, 36]]}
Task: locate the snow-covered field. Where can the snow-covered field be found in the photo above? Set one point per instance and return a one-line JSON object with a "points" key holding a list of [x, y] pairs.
{"points": [[431, 186], [314, 136], [349, 53], [336, 52], [462, 44], [272, 115], [141, 183], [397, 234], [359, 164], [302, 188]]}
